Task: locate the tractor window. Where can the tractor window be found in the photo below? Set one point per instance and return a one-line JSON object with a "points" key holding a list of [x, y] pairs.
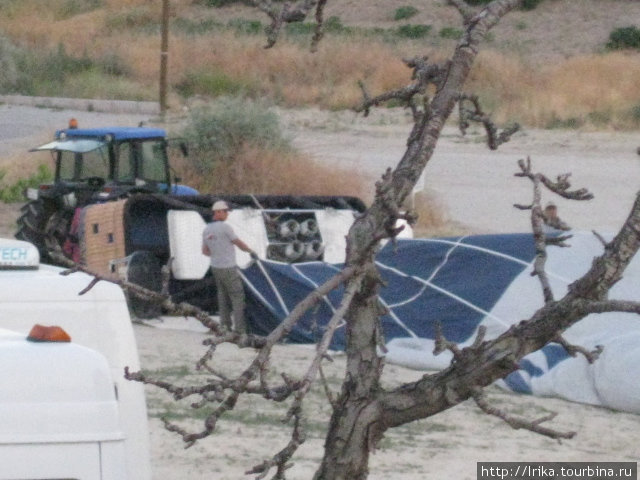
{"points": [[76, 166], [126, 163], [152, 164]]}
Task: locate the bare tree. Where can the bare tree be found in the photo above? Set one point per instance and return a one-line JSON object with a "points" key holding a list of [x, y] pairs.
{"points": [[364, 409]]}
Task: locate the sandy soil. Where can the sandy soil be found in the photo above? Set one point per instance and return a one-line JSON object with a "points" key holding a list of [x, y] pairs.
{"points": [[446, 446], [476, 188]]}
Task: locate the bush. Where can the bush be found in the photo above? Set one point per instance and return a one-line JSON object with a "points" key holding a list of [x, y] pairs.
{"points": [[71, 8], [218, 133], [15, 192], [8, 68], [451, 33], [571, 123], [43, 73], [331, 25], [193, 27], [141, 18], [402, 13], [530, 4], [238, 146], [633, 114], [250, 27], [624, 38], [211, 83], [413, 31]]}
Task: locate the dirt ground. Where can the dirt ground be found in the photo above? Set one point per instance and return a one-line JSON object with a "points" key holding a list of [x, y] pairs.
{"points": [[446, 446]]}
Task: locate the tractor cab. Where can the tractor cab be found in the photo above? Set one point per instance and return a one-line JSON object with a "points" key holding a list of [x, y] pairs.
{"points": [[108, 162], [93, 166]]}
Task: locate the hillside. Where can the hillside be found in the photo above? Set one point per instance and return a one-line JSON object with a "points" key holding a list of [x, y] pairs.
{"points": [[545, 68], [554, 31]]}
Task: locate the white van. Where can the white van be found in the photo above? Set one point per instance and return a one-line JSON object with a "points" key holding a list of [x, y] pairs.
{"points": [[31, 293]]}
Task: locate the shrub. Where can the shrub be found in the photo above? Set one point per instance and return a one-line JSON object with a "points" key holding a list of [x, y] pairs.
{"points": [[402, 13], [300, 28], [193, 27], [450, 32], [8, 68], [69, 8], [213, 83], [251, 27], [113, 64], [331, 25], [14, 192], [530, 4], [334, 24], [633, 114], [43, 73], [141, 18], [413, 31], [624, 38], [237, 146], [217, 133], [571, 123]]}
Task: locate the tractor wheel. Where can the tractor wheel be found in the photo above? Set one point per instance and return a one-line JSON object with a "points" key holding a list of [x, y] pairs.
{"points": [[144, 269], [32, 223], [56, 232]]}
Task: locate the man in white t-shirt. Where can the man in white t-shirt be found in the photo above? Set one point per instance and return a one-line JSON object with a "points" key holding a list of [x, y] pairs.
{"points": [[219, 242]]}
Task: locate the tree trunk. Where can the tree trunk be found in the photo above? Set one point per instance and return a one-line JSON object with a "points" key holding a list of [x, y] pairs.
{"points": [[355, 426]]}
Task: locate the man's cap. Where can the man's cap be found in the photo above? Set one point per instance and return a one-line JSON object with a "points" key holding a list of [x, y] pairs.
{"points": [[551, 205], [220, 205]]}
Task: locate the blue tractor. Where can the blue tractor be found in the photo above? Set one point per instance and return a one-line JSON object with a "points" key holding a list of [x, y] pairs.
{"points": [[94, 166]]}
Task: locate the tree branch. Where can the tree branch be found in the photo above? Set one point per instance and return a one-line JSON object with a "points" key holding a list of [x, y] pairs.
{"points": [[518, 423], [423, 74], [476, 114], [289, 13]]}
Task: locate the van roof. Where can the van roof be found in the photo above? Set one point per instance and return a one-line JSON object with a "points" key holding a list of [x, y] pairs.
{"points": [[54, 392]]}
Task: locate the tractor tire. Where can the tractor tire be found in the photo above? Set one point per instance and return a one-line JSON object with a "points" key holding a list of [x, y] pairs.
{"points": [[31, 225], [56, 233], [144, 269]]}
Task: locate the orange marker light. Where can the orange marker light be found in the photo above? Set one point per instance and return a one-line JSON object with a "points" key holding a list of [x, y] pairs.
{"points": [[41, 333]]}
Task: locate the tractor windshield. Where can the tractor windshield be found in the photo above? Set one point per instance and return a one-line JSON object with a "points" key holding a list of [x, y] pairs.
{"points": [[79, 158], [75, 166]]}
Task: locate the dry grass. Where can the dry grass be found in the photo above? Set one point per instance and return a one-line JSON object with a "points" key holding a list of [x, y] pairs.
{"points": [[591, 90], [433, 220], [273, 172]]}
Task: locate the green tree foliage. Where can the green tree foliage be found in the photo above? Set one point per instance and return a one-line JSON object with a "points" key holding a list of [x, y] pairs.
{"points": [[624, 38]]}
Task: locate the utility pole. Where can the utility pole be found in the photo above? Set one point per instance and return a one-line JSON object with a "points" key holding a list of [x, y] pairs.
{"points": [[164, 56]]}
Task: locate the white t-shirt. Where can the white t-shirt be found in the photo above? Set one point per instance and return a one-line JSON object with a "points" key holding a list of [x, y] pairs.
{"points": [[218, 237]]}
